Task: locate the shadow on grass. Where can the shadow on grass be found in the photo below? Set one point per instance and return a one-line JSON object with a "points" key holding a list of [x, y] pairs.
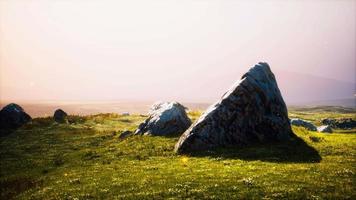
{"points": [[293, 151], [12, 187], [5, 132]]}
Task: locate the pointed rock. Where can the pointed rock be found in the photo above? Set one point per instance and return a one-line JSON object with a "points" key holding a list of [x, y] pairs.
{"points": [[253, 110]]}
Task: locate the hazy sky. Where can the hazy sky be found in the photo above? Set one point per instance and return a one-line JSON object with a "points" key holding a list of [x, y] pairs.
{"points": [[184, 50]]}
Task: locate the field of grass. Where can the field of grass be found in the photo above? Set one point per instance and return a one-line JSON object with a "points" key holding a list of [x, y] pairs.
{"points": [[86, 160]]}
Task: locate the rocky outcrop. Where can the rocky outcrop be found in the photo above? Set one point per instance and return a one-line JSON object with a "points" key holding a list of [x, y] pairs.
{"points": [[325, 129], [252, 111], [343, 123], [303, 123], [13, 116], [60, 116], [165, 118]]}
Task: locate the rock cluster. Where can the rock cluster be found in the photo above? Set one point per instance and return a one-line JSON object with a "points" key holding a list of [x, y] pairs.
{"points": [[165, 118], [303, 123], [60, 116], [13, 116], [343, 123], [253, 110]]}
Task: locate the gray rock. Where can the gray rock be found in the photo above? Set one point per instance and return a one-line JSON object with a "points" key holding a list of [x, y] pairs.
{"points": [[325, 129], [165, 118], [13, 116], [342, 123], [252, 111], [303, 123], [125, 134], [60, 116], [125, 114]]}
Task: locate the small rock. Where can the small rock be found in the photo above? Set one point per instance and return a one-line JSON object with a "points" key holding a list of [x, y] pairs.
{"points": [[325, 129], [165, 118], [125, 114], [60, 116], [75, 181], [303, 123], [125, 134], [13, 116]]}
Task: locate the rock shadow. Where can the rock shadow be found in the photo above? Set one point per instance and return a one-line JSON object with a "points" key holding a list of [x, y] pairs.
{"points": [[296, 150], [6, 132]]}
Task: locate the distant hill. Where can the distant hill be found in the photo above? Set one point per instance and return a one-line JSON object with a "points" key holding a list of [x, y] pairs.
{"points": [[306, 89], [322, 109], [347, 102]]}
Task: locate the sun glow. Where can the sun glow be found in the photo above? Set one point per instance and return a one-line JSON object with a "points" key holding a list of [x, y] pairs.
{"points": [[170, 50]]}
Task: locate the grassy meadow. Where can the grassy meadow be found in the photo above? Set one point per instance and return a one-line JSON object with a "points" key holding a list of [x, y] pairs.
{"points": [[86, 159]]}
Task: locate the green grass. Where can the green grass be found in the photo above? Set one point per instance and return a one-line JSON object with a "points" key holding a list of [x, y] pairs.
{"points": [[87, 160], [316, 114]]}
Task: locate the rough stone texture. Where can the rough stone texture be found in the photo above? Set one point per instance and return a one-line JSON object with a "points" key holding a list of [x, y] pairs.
{"points": [[13, 116], [165, 118], [253, 110], [60, 116], [343, 123], [303, 123], [325, 129]]}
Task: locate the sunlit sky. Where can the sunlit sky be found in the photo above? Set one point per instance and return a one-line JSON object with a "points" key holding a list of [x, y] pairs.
{"points": [[185, 50]]}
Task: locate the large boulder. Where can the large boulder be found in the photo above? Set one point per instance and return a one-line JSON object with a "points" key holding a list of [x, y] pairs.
{"points": [[252, 111], [13, 116], [60, 116], [303, 123], [165, 118]]}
